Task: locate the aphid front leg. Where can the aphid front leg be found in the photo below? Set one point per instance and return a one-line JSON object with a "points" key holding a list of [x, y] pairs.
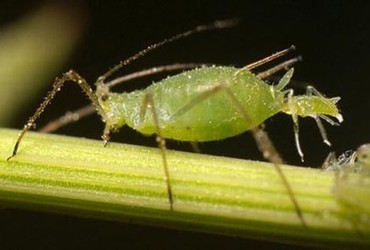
{"points": [[291, 106], [149, 102], [105, 136], [71, 76]]}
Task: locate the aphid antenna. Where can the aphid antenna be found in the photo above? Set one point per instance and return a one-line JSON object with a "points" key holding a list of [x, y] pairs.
{"points": [[221, 24]]}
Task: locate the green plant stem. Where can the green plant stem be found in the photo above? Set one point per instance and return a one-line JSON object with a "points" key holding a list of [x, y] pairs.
{"points": [[213, 194]]}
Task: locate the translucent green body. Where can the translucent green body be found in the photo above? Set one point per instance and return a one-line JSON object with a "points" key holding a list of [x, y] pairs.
{"points": [[213, 118]]}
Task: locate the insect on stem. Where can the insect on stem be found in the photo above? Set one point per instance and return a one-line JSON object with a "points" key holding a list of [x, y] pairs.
{"points": [[200, 105]]}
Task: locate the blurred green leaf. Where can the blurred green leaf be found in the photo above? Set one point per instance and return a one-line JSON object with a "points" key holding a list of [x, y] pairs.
{"points": [[31, 51]]}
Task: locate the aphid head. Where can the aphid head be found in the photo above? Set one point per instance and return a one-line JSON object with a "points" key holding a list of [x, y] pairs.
{"points": [[111, 104], [313, 105]]}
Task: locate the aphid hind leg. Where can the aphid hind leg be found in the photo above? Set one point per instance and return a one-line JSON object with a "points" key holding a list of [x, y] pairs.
{"points": [[70, 76], [269, 152], [264, 143], [149, 102]]}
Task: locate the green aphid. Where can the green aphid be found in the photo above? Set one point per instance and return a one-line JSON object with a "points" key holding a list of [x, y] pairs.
{"points": [[204, 104], [194, 106]]}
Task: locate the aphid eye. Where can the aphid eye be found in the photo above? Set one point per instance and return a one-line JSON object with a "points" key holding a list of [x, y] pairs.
{"points": [[104, 97]]}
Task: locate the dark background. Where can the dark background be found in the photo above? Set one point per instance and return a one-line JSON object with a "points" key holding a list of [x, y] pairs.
{"points": [[332, 36]]}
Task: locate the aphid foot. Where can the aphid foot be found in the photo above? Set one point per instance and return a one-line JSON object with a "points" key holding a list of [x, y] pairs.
{"points": [[105, 140], [327, 142], [10, 157]]}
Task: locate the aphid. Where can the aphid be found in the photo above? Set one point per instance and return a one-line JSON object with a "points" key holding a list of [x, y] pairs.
{"points": [[333, 163], [352, 185], [204, 104], [350, 161]]}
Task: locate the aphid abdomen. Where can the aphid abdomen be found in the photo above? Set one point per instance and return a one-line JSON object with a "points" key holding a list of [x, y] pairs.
{"points": [[184, 117]]}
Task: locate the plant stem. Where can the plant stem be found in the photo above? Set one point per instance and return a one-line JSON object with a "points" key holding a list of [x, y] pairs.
{"points": [[214, 194]]}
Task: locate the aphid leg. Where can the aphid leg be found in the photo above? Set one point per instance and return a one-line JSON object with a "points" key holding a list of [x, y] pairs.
{"points": [[58, 84], [74, 116], [105, 135], [195, 146], [330, 163], [269, 152], [148, 102], [264, 144], [69, 117], [290, 93], [296, 137], [322, 130]]}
